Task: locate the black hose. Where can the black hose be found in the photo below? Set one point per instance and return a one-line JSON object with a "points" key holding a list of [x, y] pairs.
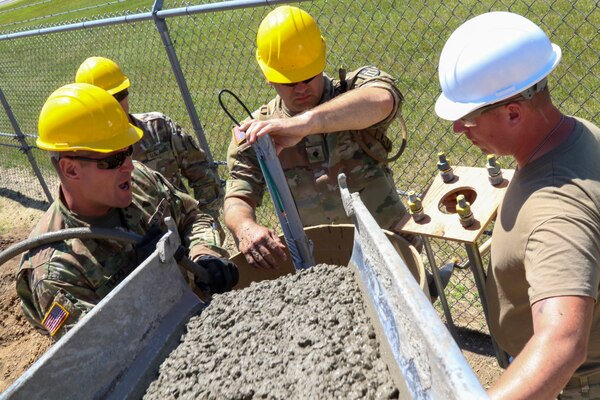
{"points": [[93, 233], [70, 233], [238, 100]]}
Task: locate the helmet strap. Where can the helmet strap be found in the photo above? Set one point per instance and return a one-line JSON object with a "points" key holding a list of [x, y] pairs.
{"points": [[343, 83], [536, 88]]}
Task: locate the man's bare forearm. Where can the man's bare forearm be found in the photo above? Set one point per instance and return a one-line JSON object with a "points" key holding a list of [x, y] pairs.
{"points": [[558, 346], [356, 109], [237, 212]]}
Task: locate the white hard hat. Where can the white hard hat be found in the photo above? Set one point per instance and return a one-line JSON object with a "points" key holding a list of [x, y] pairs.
{"points": [[490, 58]]}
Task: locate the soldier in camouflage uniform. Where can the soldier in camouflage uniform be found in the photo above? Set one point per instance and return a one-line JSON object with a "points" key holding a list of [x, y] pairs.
{"points": [[320, 127], [165, 147], [60, 282]]}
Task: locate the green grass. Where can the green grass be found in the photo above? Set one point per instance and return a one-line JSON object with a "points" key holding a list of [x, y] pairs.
{"points": [[216, 51], [457, 291], [23, 14]]}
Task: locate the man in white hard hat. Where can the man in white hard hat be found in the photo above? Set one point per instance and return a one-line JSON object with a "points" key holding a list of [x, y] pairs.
{"points": [[544, 279]]}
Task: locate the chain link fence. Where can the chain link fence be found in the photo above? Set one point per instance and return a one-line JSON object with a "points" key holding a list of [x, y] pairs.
{"points": [[215, 48]]}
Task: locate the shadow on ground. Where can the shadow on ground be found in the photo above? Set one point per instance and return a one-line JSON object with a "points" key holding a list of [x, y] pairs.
{"points": [[475, 341], [24, 200]]}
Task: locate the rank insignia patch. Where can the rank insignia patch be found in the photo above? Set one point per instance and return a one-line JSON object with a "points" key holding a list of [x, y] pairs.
{"points": [[55, 317]]}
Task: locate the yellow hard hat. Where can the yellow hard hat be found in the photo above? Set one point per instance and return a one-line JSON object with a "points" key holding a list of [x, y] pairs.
{"points": [[81, 116], [290, 47], [102, 72]]}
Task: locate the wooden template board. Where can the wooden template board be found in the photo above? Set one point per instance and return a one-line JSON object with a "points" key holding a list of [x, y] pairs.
{"points": [[439, 205]]}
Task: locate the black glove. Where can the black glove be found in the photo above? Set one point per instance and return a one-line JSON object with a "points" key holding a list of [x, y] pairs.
{"points": [[222, 272], [147, 245]]}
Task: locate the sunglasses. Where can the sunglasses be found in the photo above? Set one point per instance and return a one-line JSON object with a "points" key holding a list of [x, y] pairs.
{"points": [[113, 161], [306, 82], [469, 119], [121, 95]]}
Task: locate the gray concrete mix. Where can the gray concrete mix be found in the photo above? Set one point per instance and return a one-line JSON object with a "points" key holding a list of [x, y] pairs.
{"points": [[302, 336]]}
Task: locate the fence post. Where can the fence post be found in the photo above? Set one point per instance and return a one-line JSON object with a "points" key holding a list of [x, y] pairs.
{"points": [[163, 30], [25, 148]]}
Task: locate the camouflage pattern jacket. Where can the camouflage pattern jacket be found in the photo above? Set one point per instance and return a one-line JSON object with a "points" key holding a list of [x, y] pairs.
{"points": [[60, 282], [312, 166], [166, 148]]}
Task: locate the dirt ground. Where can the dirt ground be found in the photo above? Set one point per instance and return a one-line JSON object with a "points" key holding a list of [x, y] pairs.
{"points": [[21, 346]]}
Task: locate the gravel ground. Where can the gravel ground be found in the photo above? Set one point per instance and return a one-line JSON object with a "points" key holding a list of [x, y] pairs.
{"points": [[303, 335]]}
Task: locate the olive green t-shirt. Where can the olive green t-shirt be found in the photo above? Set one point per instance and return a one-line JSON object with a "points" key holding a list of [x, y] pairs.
{"points": [[546, 241]]}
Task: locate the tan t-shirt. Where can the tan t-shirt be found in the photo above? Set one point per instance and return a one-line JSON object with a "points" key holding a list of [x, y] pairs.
{"points": [[546, 240]]}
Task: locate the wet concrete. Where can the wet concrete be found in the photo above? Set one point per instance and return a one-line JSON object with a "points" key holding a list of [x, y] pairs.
{"points": [[304, 335]]}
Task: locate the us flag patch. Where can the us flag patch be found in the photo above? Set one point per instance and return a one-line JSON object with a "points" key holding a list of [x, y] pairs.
{"points": [[54, 318]]}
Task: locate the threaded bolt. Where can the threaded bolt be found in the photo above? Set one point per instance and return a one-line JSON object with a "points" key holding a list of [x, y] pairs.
{"points": [[445, 168], [415, 207], [494, 170], [463, 209]]}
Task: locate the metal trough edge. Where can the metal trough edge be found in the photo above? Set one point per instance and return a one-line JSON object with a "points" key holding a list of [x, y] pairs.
{"points": [[423, 351], [114, 352]]}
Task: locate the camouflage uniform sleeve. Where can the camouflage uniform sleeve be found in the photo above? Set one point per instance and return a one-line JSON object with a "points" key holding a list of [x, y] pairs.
{"points": [[202, 178], [370, 76], [198, 231], [245, 177], [53, 295]]}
